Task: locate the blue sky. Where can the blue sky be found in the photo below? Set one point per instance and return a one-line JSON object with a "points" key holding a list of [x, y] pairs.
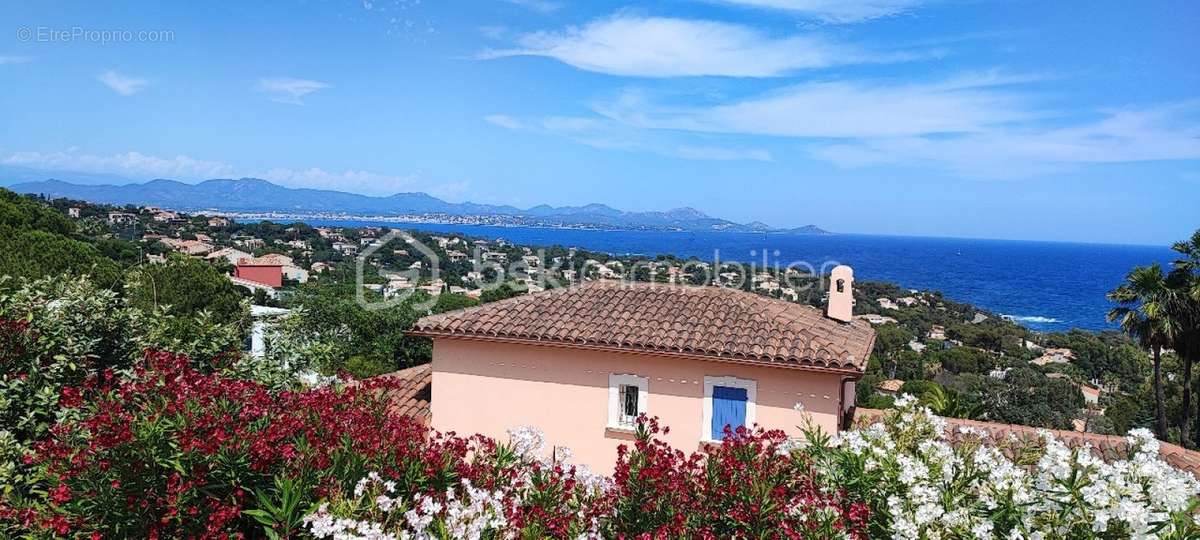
{"points": [[996, 119]]}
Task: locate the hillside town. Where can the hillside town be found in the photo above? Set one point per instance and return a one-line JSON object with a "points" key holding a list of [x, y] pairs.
{"points": [[302, 351], [927, 342]]}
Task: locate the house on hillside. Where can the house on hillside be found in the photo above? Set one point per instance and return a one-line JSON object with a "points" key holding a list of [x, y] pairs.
{"points": [[247, 241], [265, 272], [164, 216], [231, 255], [188, 247], [938, 332], [254, 286], [218, 222], [582, 363], [121, 218], [1054, 356], [876, 319], [890, 387]]}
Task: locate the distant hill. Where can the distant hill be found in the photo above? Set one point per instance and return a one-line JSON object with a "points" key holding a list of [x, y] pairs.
{"points": [[260, 196]]}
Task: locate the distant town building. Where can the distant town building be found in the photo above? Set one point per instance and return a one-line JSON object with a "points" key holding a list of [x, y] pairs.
{"points": [[73, 212], [218, 222], [888, 303]]}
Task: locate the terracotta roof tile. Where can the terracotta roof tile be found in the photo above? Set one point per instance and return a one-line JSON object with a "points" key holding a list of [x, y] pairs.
{"points": [[413, 393], [704, 321], [1108, 447]]}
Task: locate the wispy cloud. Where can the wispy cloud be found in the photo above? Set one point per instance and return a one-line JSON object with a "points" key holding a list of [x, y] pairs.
{"points": [[289, 90], [834, 11], [982, 125], [544, 6], [840, 109], [122, 84], [504, 121], [665, 47], [133, 164], [606, 134], [11, 59]]}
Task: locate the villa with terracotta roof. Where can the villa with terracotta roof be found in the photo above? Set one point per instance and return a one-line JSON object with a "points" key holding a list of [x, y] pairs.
{"points": [[582, 363]]}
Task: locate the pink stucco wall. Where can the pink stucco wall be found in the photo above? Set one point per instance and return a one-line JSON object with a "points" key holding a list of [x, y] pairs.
{"points": [[484, 387]]}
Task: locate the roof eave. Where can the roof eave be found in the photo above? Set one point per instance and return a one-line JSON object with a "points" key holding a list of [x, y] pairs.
{"points": [[853, 372]]}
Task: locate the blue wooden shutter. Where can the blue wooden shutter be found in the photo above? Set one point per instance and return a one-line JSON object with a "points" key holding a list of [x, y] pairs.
{"points": [[728, 409]]}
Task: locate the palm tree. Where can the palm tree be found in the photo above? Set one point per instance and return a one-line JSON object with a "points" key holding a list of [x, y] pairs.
{"points": [[1142, 313], [1185, 278], [950, 404]]}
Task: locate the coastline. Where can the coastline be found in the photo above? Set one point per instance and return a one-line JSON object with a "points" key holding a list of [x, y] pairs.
{"points": [[1044, 286]]}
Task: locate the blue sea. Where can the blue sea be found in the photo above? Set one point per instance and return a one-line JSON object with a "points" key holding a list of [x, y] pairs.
{"points": [[1046, 286]]}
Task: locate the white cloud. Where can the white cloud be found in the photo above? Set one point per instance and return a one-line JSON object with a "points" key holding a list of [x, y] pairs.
{"points": [[132, 164], [664, 47], [840, 109], [544, 6], [504, 121], [15, 59], [289, 90], [122, 84], [835, 11]]}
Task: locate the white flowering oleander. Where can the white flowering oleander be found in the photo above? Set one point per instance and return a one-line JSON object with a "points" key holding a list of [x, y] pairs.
{"points": [[527, 441], [931, 488]]}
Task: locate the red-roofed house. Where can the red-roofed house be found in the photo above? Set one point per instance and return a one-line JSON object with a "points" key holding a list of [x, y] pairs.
{"points": [[582, 363], [269, 273]]}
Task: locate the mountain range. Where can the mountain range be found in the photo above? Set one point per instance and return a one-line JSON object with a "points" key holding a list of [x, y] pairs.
{"points": [[253, 195]]}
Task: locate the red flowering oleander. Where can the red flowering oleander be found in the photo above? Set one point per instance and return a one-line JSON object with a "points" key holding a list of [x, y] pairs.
{"points": [[172, 452], [746, 487]]}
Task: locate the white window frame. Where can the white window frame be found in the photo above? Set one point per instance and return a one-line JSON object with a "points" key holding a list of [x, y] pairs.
{"points": [[615, 382], [751, 387]]}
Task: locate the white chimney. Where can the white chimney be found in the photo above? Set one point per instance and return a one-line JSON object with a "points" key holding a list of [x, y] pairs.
{"points": [[841, 295]]}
